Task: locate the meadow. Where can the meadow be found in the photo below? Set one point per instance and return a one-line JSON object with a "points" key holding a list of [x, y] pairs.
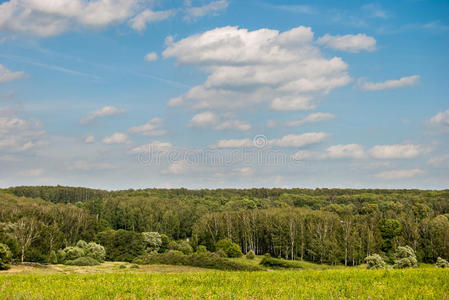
{"points": [[156, 281]]}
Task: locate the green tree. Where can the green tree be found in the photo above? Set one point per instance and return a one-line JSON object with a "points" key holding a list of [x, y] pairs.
{"points": [[5, 257]]}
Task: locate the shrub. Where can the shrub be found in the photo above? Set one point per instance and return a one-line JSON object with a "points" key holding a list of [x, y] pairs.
{"points": [[185, 247], [81, 244], [121, 245], [82, 261], [172, 245], [201, 249], [405, 258], [206, 260], [442, 263], [5, 257], [134, 266], [52, 258], [72, 253], [61, 256], [230, 248], [250, 254], [221, 253], [375, 261], [165, 240], [152, 240], [122, 267], [277, 263], [95, 251]]}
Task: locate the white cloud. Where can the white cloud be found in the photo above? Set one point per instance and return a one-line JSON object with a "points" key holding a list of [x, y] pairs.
{"points": [[389, 84], [88, 166], [235, 143], [246, 171], [396, 151], [17, 135], [102, 112], [178, 167], [400, 174], [152, 128], [440, 119], [89, 139], [7, 75], [350, 42], [299, 140], [246, 68], [345, 151], [153, 146], [312, 118], [212, 8], [140, 21], [32, 172], [204, 120], [441, 161], [306, 155], [116, 138], [152, 56], [233, 125]]}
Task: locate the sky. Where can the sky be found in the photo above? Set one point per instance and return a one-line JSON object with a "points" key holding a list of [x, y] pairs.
{"points": [[119, 94]]}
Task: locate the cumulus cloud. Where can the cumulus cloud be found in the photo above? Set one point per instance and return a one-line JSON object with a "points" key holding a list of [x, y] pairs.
{"points": [[178, 167], [204, 120], [396, 151], [246, 68], [389, 84], [312, 118], [345, 151], [153, 146], [116, 138], [32, 172], [291, 140], [17, 135], [233, 125], [140, 21], [246, 171], [152, 56], [400, 174], [440, 119], [350, 42], [89, 139], [8, 75], [212, 8], [105, 111], [152, 128]]}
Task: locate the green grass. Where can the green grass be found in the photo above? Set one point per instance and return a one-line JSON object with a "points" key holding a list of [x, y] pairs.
{"points": [[355, 283]]}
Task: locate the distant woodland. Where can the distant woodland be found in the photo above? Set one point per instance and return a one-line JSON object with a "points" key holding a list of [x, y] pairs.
{"points": [[332, 226]]}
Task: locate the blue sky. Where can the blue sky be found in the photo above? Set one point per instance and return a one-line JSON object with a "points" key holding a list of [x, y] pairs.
{"points": [[205, 94]]}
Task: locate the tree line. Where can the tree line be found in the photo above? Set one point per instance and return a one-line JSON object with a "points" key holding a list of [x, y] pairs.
{"points": [[335, 226]]}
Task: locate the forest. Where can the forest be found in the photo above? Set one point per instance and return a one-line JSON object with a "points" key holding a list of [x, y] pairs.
{"points": [[329, 226]]}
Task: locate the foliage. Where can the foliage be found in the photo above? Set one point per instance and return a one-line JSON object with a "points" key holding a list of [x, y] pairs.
{"points": [[134, 266], [250, 254], [122, 267], [405, 258], [5, 257], [95, 251], [230, 248], [53, 258], [82, 261], [221, 253], [152, 240], [442, 263], [181, 245], [375, 261], [201, 249], [73, 252], [203, 260], [61, 256], [121, 245], [276, 263]]}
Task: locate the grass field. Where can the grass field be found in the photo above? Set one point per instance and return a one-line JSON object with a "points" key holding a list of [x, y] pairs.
{"points": [[156, 281]]}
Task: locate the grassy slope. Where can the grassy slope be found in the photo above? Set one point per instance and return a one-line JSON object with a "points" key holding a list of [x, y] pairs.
{"points": [[337, 283]]}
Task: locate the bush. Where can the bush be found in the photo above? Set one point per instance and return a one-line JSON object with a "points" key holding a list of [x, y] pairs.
{"points": [[201, 249], [250, 254], [134, 266], [95, 251], [82, 261], [230, 248], [221, 253], [375, 261], [152, 240], [277, 263], [61, 256], [204, 260], [72, 253], [405, 258], [81, 244], [122, 267], [121, 245], [5, 257], [182, 246], [52, 258], [442, 263]]}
